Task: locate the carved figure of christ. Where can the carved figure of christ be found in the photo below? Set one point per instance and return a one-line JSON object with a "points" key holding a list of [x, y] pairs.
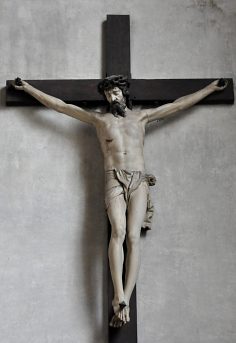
{"points": [[121, 134]]}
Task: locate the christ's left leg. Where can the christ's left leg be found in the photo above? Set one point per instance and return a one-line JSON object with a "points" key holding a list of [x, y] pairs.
{"points": [[136, 214]]}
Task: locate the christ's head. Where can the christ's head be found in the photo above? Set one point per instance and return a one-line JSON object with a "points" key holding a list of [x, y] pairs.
{"points": [[115, 89]]}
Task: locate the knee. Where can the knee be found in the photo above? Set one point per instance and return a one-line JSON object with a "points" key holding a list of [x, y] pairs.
{"points": [[133, 239], [118, 233]]}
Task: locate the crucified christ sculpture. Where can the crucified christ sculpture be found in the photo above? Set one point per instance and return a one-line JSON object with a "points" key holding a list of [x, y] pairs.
{"points": [[121, 134]]}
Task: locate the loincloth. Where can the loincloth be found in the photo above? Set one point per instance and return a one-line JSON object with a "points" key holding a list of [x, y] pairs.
{"points": [[124, 182]]}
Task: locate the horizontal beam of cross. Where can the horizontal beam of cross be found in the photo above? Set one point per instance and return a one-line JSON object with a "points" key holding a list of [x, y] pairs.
{"points": [[153, 91]]}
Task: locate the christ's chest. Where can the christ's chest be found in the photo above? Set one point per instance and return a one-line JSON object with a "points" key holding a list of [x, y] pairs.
{"points": [[116, 129]]}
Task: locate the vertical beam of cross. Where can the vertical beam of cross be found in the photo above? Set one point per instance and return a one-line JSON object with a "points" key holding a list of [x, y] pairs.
{"points": [[118, 62], [117, 52]]}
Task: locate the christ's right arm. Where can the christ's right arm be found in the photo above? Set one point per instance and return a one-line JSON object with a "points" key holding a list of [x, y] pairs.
{"points": [[57, 104]]}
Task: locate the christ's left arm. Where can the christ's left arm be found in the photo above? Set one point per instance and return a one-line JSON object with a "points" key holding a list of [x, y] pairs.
{"points": [[183, 102]]}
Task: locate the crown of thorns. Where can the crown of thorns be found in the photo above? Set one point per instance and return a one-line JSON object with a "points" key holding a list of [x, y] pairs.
{"points": [[114, 81]]}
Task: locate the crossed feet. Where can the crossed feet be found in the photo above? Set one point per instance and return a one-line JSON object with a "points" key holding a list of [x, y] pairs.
{"points": [[121, 316]]}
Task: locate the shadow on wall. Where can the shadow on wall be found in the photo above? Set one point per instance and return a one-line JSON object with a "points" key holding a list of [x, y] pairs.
{"points": [[93, 245], [3, 97]]}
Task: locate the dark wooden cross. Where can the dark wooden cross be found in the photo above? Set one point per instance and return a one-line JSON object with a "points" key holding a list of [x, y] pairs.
{"points": [[146, 92]]}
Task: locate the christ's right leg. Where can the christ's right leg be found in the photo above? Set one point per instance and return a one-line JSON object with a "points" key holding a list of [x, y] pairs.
{"points": [[117, 216]]}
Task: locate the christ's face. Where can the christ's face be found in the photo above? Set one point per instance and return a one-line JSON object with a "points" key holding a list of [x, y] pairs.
{"points": [[117, 101], [114, 95]]}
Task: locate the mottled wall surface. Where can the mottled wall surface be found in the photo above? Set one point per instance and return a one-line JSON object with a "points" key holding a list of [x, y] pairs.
{"points": [[53, 224]]}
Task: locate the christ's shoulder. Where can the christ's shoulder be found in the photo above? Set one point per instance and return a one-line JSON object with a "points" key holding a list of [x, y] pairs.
{"points": [[139, 114], [103, 118]]}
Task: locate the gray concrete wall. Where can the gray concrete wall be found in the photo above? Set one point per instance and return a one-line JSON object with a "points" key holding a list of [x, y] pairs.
{"points": [[52, 250]]}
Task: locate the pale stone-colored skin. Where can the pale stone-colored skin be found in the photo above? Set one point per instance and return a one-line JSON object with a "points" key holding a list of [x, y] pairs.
{"points": [[122, 141]]}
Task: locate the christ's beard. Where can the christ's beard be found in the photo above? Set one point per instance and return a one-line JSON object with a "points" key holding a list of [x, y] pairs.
{"points": [[118, 109]]}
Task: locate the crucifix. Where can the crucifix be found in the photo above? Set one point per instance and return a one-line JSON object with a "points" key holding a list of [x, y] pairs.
{"points": [[120, 131]]}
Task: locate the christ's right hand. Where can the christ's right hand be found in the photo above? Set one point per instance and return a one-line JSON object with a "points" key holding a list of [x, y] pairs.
{"points": [[19, 84]]}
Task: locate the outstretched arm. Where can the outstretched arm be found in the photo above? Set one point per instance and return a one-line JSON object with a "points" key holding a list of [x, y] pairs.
{"points": [[55, 103], [184, 102]]}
